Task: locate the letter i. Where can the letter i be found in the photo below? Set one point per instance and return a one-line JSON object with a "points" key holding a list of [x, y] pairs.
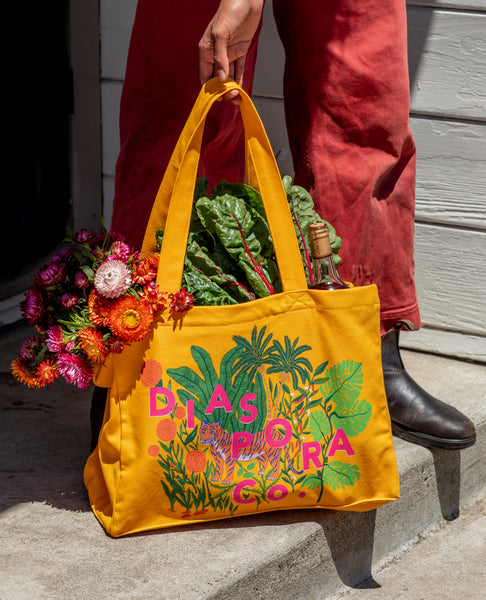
{"points": [[190, 414]]}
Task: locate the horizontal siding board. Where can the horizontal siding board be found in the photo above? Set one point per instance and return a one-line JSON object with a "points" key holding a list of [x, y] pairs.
{"points": [[450, 343], [447, 60], [450, 279], [451, 171], [475, 5]]}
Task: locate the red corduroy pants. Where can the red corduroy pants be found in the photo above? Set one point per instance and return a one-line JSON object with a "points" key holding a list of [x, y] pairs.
{"points": [[346, 93]]}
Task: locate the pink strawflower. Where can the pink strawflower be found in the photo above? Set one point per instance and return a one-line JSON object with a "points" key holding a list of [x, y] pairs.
{"points": [[81, 280], [112, 279], [68, 300], [33, 306], [120, 250], [51, 274], [30, 348], [70, 346], [75, 369], [55, 341]]}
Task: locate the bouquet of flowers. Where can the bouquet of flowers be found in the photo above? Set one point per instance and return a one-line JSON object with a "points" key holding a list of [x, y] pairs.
{"points": [[98, 295], [88, 301]]}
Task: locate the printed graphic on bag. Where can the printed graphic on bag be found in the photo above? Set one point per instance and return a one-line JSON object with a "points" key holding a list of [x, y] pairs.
{"points": [[268, 425]]}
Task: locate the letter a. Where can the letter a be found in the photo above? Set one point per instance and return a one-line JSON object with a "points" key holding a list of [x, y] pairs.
{"points": [[340, 442], [219, 399]]}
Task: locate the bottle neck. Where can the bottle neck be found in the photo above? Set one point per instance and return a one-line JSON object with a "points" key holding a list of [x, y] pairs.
{"points": [[325, 274]]}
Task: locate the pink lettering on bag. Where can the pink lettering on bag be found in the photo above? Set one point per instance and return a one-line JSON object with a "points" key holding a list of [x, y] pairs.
{"points": [[240, 440], [277, 492], [278, 443], [168, 408], [219, 399], [340, 442], [237, 497], [253, 410], [190, 414], [310, 453]]}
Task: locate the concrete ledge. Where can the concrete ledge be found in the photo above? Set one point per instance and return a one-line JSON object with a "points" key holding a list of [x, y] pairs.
{"points": [[52, 546]]}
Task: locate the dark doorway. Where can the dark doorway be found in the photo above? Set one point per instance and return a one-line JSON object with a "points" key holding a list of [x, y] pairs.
{"points": [[36, 192]]}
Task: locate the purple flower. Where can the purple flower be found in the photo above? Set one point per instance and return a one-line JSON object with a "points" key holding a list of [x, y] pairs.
{"points": [[68, 300], [75, 369], [83, 236], [81, 280], [30, 348], [51, 274], [112, 279], [33, 306], [55, 340]]}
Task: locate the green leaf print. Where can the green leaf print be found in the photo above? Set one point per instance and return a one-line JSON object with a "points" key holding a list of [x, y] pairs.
{"points": [[352, 418], [319, 426], [345, 382], [339, 475]]}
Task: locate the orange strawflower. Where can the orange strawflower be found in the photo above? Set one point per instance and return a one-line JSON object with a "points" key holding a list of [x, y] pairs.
{"points": [[92, 344], [99, 309], [130, 319], [46, 372], [21, 372], [146, 269], [156, 299]]}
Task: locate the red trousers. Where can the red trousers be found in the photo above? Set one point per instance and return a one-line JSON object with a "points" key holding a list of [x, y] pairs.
{"points": [[346, 93]]}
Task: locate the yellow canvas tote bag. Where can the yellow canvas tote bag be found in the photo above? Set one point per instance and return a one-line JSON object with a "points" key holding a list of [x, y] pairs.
{"points": [[274, 404]]}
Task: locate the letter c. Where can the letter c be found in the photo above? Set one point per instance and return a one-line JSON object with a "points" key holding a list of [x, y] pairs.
{"points": [[237, 491]]}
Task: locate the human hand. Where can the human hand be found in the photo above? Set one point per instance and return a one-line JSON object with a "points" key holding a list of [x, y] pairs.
{"points": [[225, 43]]}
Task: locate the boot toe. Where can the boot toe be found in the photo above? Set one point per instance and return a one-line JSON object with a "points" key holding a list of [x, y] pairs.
{"points": [[419, 417]]}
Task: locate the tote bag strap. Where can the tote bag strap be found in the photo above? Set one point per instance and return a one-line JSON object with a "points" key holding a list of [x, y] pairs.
{"points": [[174, 200]]}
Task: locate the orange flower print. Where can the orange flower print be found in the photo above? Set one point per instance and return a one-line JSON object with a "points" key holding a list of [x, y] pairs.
{"points": [[166, 430], [180, 412], [153, 450], [151, 373], [195, 461]]}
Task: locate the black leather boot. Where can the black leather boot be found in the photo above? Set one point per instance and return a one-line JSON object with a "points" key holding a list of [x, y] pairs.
{"points": [[417, 416]]}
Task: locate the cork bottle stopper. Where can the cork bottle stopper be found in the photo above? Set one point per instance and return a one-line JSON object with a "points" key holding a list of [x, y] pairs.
{"points": [[319, 240]]}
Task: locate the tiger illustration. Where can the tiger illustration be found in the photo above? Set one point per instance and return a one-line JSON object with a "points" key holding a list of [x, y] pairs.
{"points": [[212, 434]]}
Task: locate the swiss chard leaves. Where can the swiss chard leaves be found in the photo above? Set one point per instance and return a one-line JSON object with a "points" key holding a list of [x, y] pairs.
{"points": [[230, 256]]}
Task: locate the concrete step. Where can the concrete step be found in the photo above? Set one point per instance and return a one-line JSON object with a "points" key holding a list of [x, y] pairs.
{"points": [[51, 546], [447, 564]]}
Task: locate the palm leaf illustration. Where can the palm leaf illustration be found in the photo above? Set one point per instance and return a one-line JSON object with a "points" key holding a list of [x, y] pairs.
{"points": [[254, 353], [289, 360]]}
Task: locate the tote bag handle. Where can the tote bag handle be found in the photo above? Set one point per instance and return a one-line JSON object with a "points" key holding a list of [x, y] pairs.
{"points": [[174, 200]]}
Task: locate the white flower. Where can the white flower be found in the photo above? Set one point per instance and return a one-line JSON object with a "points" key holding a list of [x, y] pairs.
{"points": [[112, 279]]}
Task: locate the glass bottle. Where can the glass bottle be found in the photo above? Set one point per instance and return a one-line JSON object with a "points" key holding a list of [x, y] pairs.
{"points": [[325, 274]]}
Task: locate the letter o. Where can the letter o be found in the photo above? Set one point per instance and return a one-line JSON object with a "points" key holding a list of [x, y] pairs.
{"points": [[281, 490], [268, 433]]}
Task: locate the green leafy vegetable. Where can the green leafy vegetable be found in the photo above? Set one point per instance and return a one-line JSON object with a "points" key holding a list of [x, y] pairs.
{"points": [[230, 256]]}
